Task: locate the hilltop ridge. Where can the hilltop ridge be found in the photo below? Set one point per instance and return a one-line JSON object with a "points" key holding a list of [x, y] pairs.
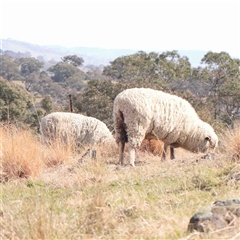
{"points": [[91, 55]]}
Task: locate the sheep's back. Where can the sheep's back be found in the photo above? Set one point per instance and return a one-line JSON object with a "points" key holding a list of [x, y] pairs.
{"points": [[86, 130], [162, 111]]}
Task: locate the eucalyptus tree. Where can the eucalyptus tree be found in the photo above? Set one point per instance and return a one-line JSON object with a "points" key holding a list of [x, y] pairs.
{"points": [[8, 68], [158, 69], [96, 100], [221, 74], [30, 71], [14, 102], [64, 71], [74, 60], [136, 66], [29, 66], [47, 104], [171, 66]]}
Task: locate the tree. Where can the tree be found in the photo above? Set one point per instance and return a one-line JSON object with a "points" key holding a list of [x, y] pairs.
{"points": [[221, 74], [8, 68], [230, 101], [95, 72], [75, 83], [171, 67], [47, 104], [136, 66], [29, 66], [14, 102], [150, 68], [30, 70], [74, 60], [31, 81], [62, 71], [32, 119], [96, 100]]}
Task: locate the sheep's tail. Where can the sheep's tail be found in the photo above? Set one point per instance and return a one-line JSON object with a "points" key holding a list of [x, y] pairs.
{"points": [[120, 127], [120, 133]]}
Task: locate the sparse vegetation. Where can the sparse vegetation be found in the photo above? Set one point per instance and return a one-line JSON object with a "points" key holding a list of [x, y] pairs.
{"points": [[47, 193]]}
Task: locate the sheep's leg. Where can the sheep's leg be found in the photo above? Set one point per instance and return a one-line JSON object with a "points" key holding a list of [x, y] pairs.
{"points": [[172, 153], [164, 152], [132, 156], [121, 146]]}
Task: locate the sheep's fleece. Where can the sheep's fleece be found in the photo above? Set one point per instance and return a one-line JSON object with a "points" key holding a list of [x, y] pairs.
{"points": [[72, 126], [141, 113]]}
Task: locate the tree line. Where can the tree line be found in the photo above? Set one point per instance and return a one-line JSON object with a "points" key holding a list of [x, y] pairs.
{"points": [[213, 88]]}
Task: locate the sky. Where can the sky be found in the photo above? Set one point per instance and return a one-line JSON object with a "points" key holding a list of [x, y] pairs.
{"points": [[148, 25]]}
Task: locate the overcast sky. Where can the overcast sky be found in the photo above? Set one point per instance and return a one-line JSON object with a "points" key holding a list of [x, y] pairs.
{"points": [[209, 25]]}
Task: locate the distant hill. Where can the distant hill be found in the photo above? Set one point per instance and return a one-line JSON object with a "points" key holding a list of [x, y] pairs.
{"points": [[92, 56]]}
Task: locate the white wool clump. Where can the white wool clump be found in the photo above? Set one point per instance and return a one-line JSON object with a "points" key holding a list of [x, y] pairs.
{"points": [[72, 126], [143, 113]]}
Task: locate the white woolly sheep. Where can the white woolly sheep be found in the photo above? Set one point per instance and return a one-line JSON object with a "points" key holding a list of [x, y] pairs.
{"points": [[72, 126], [143, 113]]}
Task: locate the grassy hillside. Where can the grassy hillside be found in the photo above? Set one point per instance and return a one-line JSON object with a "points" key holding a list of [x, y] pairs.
{"points": [[48, 193]]}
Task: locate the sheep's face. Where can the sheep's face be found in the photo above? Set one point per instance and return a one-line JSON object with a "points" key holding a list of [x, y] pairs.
{"points": [[205, 138], [205, 144]]}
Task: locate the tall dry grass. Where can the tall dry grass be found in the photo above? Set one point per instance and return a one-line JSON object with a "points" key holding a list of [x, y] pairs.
{"points": [[230, 143], [21, 153]]}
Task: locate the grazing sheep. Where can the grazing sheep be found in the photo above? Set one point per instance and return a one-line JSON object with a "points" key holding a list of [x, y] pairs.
{"points": [[143, 113], [74, 127], [157, 148]]}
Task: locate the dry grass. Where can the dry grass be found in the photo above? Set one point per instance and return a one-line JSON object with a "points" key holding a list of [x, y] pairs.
{"points": [[58, 153], [60, 198], [230, 144], [21, 155], [24, 155]]}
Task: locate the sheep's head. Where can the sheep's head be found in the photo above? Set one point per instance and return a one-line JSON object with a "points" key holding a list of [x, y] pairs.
{"points": [[202, 138], [213, 140], [207, 138]]}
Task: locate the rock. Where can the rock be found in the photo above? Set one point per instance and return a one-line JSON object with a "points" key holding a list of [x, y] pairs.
{"points": [[221, 214], [234, 177]]}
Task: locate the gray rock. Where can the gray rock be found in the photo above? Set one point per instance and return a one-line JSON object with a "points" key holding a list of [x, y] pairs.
{"points": [[221, 214]]}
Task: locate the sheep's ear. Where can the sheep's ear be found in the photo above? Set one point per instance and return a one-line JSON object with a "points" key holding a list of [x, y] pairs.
{"points": [[208, 139]]}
